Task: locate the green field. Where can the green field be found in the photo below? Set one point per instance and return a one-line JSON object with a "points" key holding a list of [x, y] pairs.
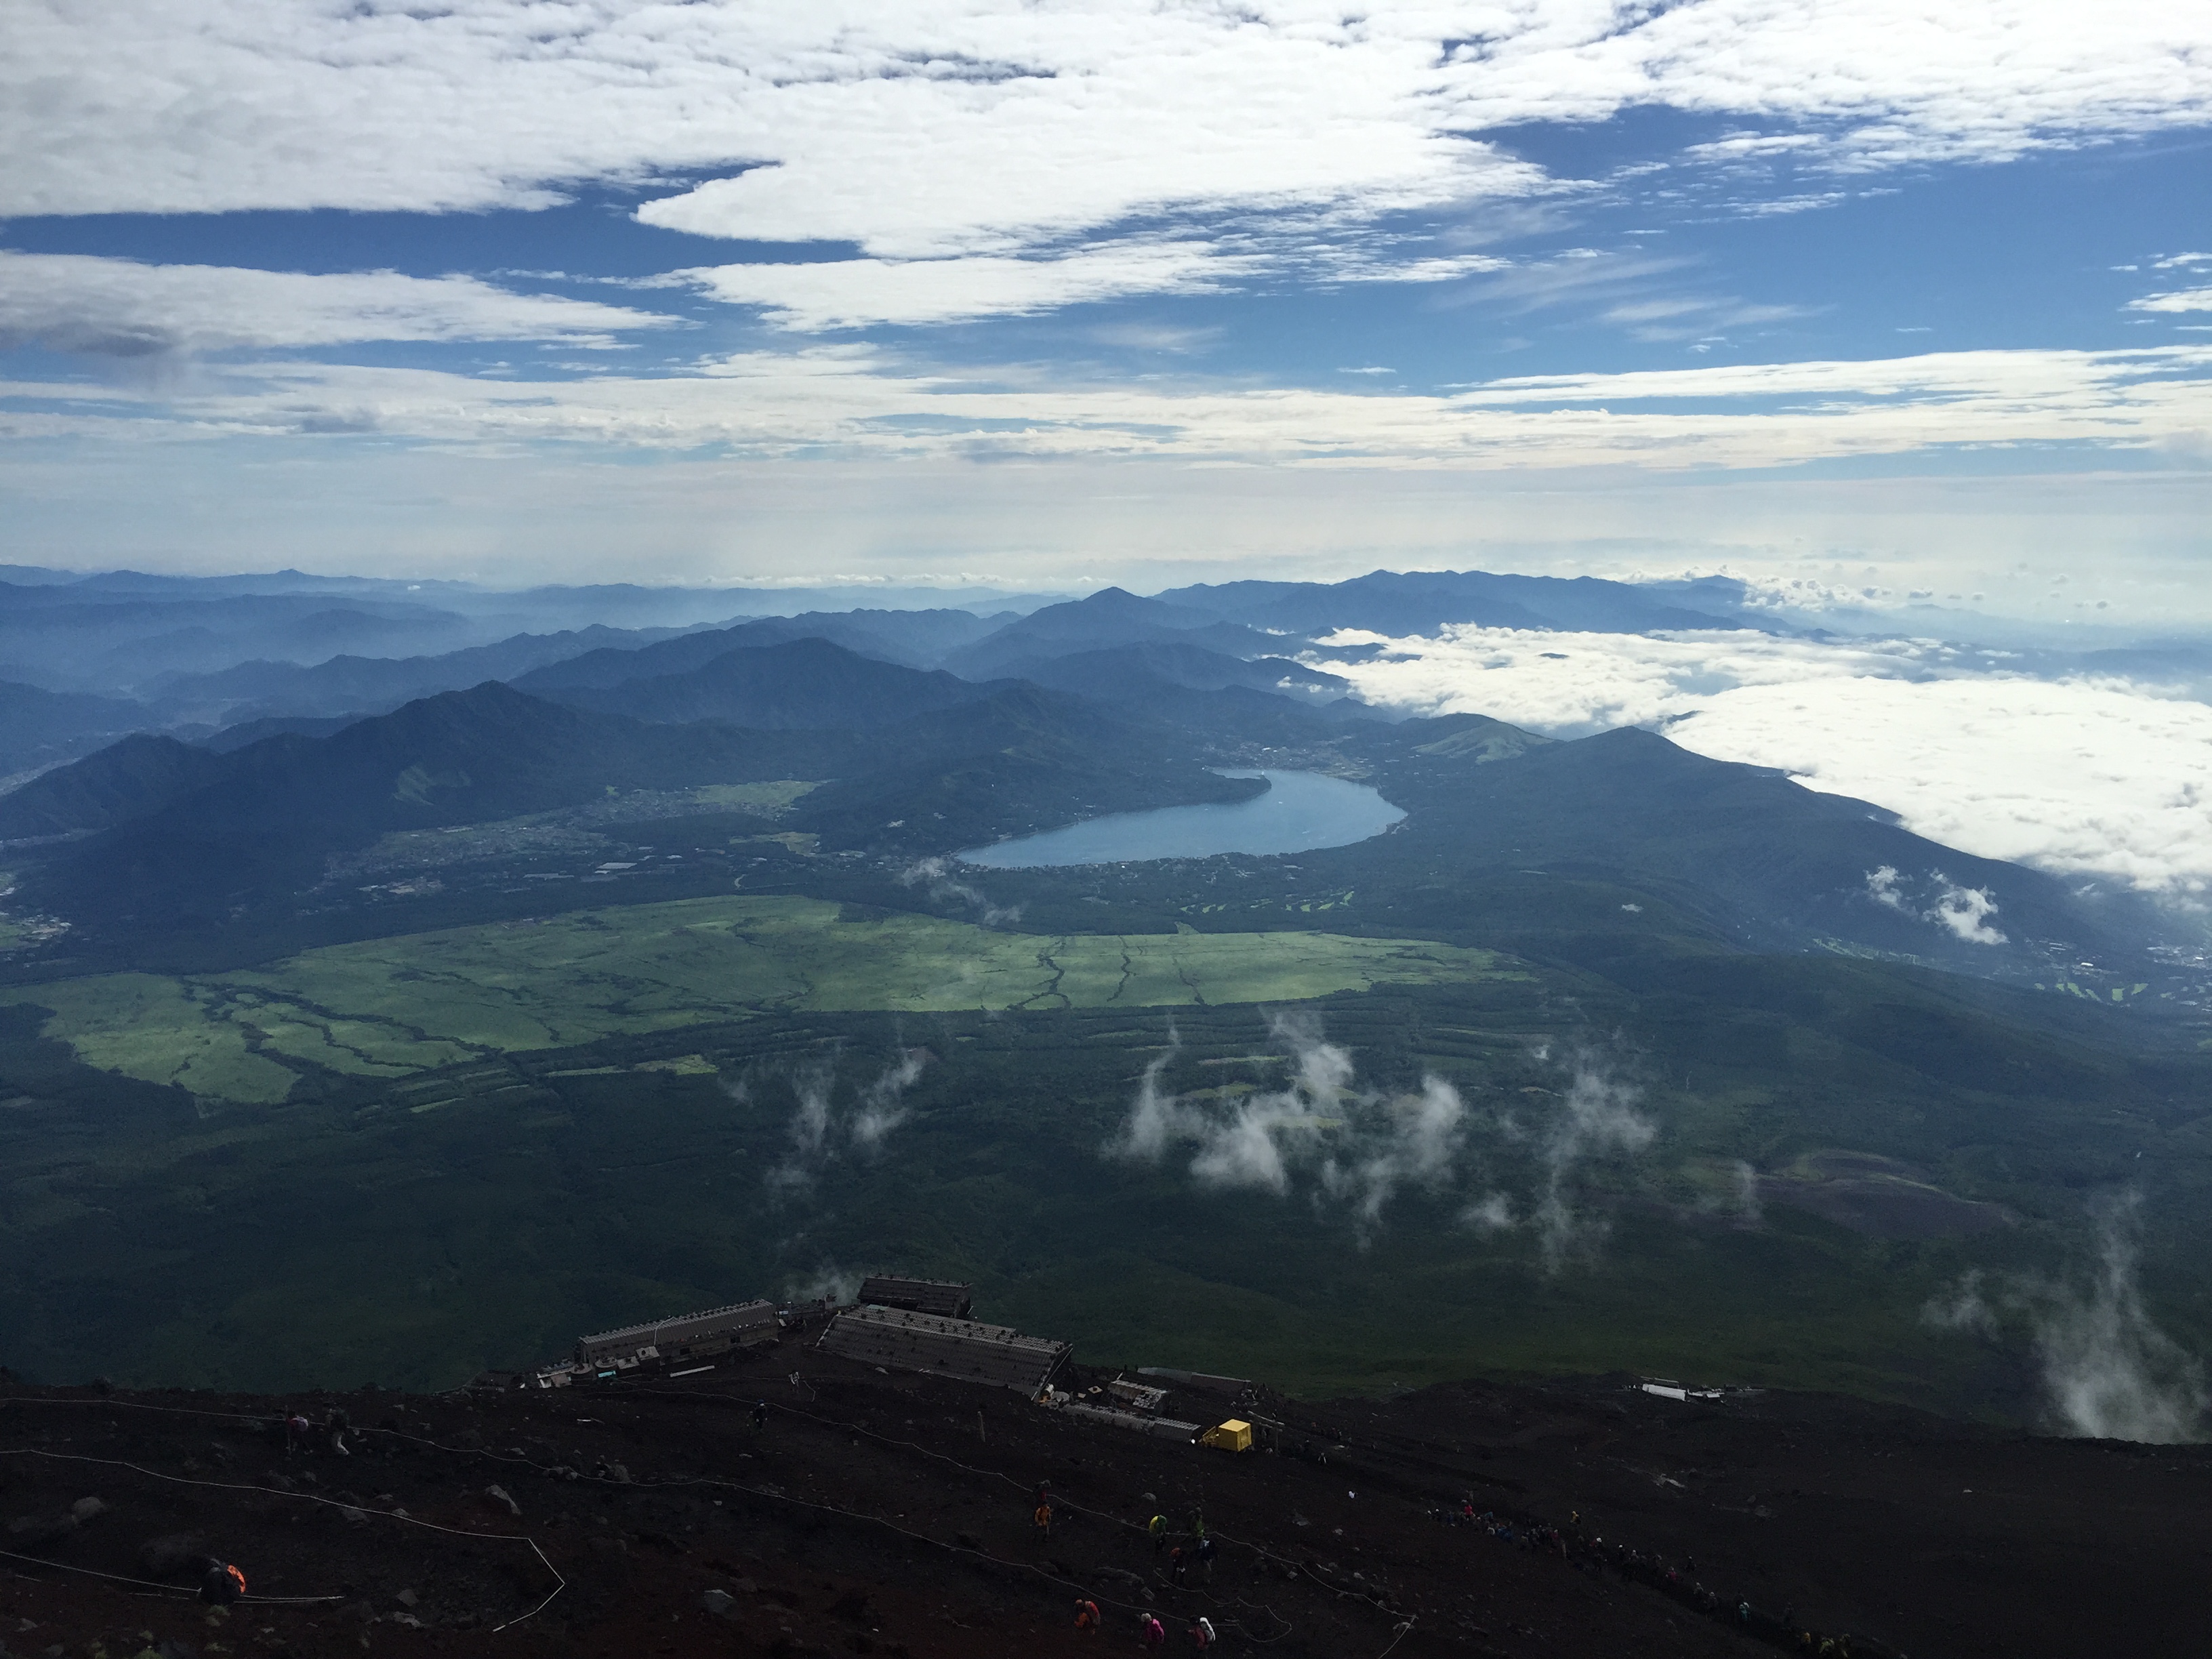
{"points": [[391, 1006]]}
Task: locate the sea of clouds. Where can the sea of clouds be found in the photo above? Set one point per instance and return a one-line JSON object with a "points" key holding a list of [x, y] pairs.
{"points": [[2073, 773]]}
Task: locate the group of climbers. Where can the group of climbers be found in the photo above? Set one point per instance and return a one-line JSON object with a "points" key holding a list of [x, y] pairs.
{"points": [[1190, 1548], [1149, 1630]]}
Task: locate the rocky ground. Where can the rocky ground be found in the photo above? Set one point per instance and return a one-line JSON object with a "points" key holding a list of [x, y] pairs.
{"points": [[891, 1514]]}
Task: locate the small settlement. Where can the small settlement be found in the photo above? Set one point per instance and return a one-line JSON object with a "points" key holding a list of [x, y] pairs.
{"points": [[909, 1325]]}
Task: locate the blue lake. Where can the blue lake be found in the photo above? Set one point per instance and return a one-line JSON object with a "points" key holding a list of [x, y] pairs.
{"points": [[1300, 811]]}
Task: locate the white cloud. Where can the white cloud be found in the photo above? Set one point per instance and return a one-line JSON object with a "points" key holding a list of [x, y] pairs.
{"points": [[1965, 912], [1360, 1146], [2109, 1372], [121, 308], [854, 293], [859, 400], [989, 129], [2187, 299], [2101, 776]]}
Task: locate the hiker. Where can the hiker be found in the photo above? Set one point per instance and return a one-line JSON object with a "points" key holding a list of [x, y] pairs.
{"points": [[1086, 1618], [1044, 1518], [760, 1415], [1178, 1564], [1197, 1525], [1205, 1556], [1201, 1633], [1153, 1633], [221, 1585], [1158, 1531], [296, 1430]]}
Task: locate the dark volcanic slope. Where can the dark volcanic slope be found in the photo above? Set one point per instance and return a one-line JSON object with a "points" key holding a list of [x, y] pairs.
{"points": [[1774, 865], [889, 1514]]}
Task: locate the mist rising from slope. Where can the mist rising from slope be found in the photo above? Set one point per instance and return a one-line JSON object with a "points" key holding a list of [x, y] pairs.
{"points": [[1344, 1147], [2108, 1371]]}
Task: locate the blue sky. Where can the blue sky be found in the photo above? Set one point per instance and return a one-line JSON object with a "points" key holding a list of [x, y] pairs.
{"points": [[1139, 293]]}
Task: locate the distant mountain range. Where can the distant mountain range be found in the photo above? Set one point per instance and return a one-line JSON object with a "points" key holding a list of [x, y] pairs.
{"points": [[927, 731]]}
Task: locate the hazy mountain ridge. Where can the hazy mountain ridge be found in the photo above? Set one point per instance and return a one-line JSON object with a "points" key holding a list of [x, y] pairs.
{"points": [[804, 683], [348, 684], [39, 727]]}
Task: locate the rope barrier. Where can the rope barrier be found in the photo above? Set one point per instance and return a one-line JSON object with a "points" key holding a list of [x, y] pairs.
{"points": [[634, 1391], [560, 1582], [167, 1589]]}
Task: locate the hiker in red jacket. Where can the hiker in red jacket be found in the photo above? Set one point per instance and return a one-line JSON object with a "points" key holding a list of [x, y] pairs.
{"points": [[1153, 1632]]}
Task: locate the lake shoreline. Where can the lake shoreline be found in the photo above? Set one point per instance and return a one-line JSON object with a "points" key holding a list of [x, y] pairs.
{"points": [[1297, 812]]}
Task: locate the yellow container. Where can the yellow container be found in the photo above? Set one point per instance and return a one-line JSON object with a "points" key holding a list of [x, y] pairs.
{"points": [[1231, 1436]]}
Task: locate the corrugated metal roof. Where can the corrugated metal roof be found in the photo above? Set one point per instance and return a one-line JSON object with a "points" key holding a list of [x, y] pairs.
{"points": [[682, 1328], [994, 1355], [931, 1296]]}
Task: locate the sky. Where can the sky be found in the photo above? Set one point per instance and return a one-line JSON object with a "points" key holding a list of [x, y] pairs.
{"points": [[1906, 299]]}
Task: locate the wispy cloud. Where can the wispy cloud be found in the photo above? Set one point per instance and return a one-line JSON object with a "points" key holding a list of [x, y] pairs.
{"points": [[2187, 299], [821, 1132], [1352, 1150], [848, 294], [125, 308], [2108, 1370], [856, 400]]}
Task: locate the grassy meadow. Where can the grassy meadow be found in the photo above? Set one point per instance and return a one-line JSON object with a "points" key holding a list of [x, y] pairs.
{"points": [[388, 1007]]}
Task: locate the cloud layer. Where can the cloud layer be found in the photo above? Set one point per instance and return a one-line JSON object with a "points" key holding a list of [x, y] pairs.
{"points": [[2096, 775], [859, 399]]}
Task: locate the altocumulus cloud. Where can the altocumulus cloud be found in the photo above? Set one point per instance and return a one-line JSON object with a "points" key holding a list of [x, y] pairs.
{"points": [[2101, 776]]}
